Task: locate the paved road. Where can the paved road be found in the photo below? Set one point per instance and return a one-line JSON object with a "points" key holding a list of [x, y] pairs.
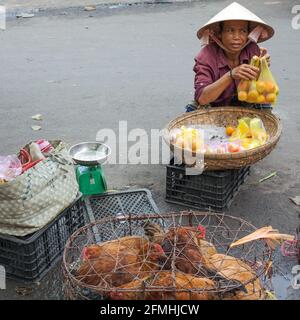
{"points": [[84, 72]]}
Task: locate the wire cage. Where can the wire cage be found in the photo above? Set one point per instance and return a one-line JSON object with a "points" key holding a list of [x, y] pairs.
{"points": [[176, 256]]}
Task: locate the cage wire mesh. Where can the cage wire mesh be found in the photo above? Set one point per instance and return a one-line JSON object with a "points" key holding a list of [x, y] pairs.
{"points": [[181, 255]]}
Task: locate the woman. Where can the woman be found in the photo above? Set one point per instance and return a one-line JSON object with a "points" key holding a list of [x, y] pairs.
{"points": [[231, 41]]}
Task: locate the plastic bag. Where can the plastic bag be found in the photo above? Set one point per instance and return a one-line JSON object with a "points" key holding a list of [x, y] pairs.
{"points": [[266, 85], [250, 133], [264, 90], [10, 167], [247, 88]]}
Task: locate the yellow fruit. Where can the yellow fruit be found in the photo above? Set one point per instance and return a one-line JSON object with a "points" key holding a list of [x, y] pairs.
{"points": [[244, 85], [276, 89], [270, 87], [271, 97], [261, 99], [260, 86], [179, 142], [196, 145], [249, 143], [252, 95], [229, 130], [243, 129], [242, 95]]}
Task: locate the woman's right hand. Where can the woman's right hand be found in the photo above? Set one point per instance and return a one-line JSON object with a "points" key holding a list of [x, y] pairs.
{"points": [[245, 72]]}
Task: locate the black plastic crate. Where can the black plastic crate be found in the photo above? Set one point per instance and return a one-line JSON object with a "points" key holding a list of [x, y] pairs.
{"points": [[211, 190], [29, 258], [119, 204]]}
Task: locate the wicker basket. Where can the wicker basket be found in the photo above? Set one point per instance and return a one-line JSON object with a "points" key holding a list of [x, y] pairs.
{"points": [[220, 231], [224, 116]]}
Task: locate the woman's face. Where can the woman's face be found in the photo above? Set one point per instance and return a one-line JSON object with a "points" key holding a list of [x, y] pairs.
{"points": [[234, 34]]}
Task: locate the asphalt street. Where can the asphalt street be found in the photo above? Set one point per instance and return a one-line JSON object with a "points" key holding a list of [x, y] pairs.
{"points": [[85, 71]]}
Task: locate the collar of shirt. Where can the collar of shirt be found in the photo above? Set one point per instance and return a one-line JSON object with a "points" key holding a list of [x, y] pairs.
{"points": [[222, 61]]}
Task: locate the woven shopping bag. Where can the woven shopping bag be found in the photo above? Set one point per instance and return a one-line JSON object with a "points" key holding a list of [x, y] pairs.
{"points": [[33, 199]]}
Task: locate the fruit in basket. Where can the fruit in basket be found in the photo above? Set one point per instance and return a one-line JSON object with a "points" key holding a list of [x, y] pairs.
{"points": [[243, 128], [242, 95], [233, 147], [249, 143], [230, 130], [189, 138]]}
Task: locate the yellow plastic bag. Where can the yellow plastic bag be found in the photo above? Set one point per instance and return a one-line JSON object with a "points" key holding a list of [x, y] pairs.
{"points": [[247, 88], [264, 90], [266, 84]]}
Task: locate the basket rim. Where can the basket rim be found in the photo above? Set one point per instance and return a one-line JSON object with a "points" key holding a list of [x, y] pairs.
{"points": [[237, 155]]}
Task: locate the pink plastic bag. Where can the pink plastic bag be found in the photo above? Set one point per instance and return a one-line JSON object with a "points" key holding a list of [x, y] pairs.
{"points": [[10, 167]]}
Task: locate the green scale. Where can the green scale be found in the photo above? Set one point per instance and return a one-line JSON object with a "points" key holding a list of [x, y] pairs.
{"points": [[91, 180], [89, 156]]}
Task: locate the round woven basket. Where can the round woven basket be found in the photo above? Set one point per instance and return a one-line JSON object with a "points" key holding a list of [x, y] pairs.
{"points": [[222, 117]]}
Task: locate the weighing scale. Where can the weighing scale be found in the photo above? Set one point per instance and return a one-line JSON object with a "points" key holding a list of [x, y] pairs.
{"points": [[89, 156]]}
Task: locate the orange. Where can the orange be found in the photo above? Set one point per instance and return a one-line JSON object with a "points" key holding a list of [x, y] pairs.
{"points": [[261, 99], [252, 95], [271, 97], [260, 86], [232, 147], [276, 89], [242, 95], [243, 85], [270, 86], [229, 130]]}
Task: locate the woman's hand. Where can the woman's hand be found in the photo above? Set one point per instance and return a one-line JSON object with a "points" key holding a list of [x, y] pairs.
{"points": [[245, 72], [264, 53]]}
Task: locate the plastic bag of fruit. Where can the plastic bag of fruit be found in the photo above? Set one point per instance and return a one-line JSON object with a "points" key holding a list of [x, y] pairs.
{"points": [[264, 90], [247, 88], [266, 85]]}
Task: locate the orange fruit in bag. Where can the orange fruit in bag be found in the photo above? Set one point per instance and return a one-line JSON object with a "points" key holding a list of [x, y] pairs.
{"points": [[244, 85], [271, 97], [260, 86], [261, 99], [253, 95], [242, 95], [270, 87]]}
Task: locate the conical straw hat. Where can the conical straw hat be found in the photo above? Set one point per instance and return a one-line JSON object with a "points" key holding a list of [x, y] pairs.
{"points": [[236, 11]]}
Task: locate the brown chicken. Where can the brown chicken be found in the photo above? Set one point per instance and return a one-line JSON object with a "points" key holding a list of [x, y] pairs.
{"points": [[234, 269], [95, 250], [114, 263], [181, 247], [167, 286], [190, 253]]}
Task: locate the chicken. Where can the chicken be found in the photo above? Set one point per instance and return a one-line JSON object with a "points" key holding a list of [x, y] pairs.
{"points": [[191, 254], [234, 269], [95, 250], [181, 247], [114, 263], [166, 286]]}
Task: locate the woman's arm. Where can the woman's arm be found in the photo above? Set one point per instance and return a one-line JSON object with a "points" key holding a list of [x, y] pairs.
{"points": [[212, 91]]}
